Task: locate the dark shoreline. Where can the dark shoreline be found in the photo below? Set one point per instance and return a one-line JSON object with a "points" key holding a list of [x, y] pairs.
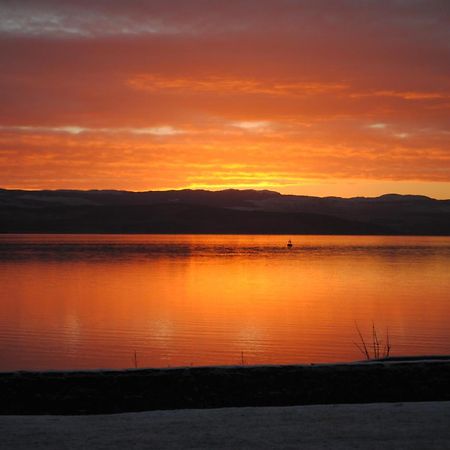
{"points": [[103, 392]]}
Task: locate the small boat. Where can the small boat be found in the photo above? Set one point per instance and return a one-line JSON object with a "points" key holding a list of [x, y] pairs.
{"points": [[289, 244]]}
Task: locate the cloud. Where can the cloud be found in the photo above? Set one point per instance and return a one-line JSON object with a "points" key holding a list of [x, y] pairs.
{"points": [[75, 130], [135, 17], [405, 95], [252, 125], [228, 85], [67, 21]]}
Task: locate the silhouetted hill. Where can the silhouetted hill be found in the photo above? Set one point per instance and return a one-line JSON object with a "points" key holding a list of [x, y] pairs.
{"points": [[172, 218], [406, 214], [229, 211], [226, 198]]}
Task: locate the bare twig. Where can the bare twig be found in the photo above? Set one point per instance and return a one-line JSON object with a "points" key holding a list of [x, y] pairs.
{"points": [[374, 345], [364, 346], [378, 349], [361, 349], [388, 344]]}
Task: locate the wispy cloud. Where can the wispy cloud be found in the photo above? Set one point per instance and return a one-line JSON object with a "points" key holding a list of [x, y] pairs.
{"points": [[256, 125], [75, 130], [405, 95], [229, 85], [64, 20]]}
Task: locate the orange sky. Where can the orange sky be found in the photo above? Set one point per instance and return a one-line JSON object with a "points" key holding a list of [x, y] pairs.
{"points": [[324, 97]]}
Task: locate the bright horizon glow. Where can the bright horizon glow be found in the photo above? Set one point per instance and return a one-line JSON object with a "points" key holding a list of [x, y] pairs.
{"points": [[325, 98]]}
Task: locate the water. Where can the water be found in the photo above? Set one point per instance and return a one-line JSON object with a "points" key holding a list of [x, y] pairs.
{"points": [[92, 301]]}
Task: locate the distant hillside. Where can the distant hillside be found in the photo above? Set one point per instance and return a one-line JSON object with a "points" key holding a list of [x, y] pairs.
{"points": [[229, 211]]}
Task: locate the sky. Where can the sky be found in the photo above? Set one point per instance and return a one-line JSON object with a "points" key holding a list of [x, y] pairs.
{"points": [[320, 97]]}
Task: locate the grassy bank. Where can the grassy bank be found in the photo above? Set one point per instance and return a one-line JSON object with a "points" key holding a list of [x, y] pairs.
{"points": [[96, 392]]}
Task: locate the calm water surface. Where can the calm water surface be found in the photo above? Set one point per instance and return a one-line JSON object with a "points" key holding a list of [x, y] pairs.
{"points": [[91, 301]]}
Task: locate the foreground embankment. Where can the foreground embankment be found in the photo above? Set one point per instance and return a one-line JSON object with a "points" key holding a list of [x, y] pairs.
{"points": [[103, 392]]}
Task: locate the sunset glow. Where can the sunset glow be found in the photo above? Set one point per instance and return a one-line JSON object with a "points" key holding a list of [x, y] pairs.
{"points": [[318, 98]]}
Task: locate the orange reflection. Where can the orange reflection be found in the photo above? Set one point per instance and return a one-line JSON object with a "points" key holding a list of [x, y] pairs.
{"points": [[220, 296]]}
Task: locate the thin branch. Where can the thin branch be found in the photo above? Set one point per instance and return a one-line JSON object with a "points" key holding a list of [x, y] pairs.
{"points": [[365, 352], [388, 343]]}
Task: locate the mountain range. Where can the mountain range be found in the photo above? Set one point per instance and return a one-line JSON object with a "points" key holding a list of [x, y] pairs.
{"points": [[227, 211]]}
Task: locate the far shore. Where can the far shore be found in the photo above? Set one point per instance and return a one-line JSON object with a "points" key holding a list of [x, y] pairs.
{"points": [[396, 379]]}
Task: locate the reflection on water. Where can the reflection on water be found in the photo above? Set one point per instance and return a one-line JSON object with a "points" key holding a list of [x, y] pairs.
{"points": [[92, 301]]}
